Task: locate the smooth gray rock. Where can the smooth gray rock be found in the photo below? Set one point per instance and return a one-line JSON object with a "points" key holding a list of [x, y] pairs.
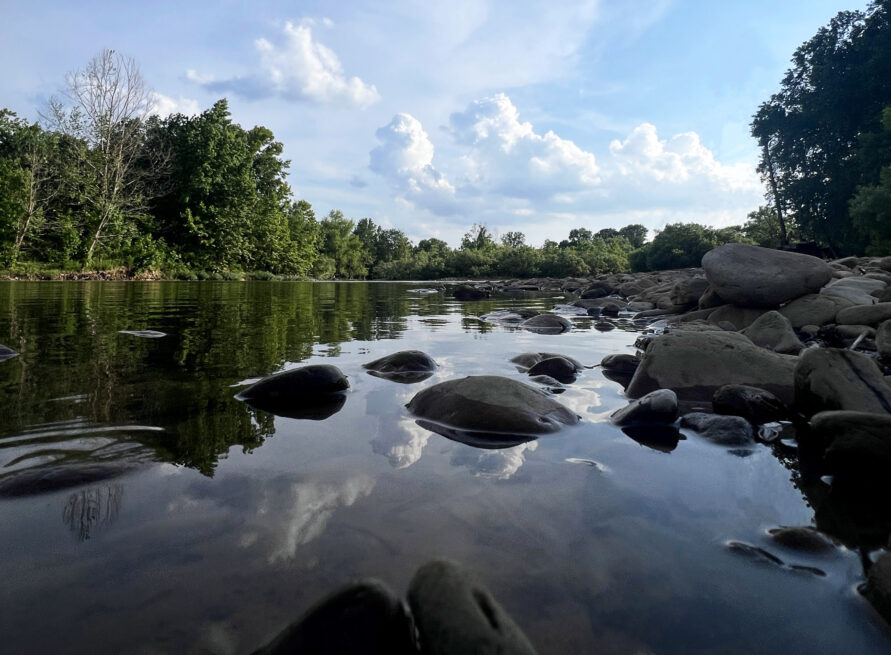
{"points": [[312, 392], [813, 309], [620, 363], [696, 364], [363, 617], [773, 331], [857, 443], [752, 403], [739, 317], [528, 360], [878, 586], [457, 615], [490, 403], [803, 538], [883, 340], [750, 276], [405, 366], [559, 368], [547, 324], [660, 406], [687, 292], [720, 429], [830, 378], [853, 295], [865, 284], [865, 314]]}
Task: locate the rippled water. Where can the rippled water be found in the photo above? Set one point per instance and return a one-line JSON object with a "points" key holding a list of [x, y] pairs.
{"points": [[144, 509]]}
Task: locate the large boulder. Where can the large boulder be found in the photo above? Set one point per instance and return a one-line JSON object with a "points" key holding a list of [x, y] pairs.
{"points": [[750, 276], [491, 404], [456, 614], [696, 364], [831, 378], [774, 332]]}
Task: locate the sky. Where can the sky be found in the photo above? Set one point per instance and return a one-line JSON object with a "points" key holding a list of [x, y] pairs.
{"points": [[432, 116]]}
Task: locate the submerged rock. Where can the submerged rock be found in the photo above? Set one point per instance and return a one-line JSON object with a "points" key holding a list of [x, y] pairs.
{"points": [[491, 404], [312, 392], [659, 406], [455, 614], [363, 617], [696, 364], [559, 368], [720, 429], [751, 276], [802, 537], [405, 366], [547, 324], [830, 378]]}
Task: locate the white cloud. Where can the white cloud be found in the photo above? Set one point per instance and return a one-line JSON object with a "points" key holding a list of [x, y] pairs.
{"points": [[164, 106], [296, 68]]}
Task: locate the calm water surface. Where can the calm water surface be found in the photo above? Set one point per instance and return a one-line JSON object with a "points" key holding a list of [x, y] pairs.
{"points": [[143, 509]]}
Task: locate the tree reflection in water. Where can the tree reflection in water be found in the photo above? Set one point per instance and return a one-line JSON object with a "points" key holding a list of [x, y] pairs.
{"points": [[92, 509]]}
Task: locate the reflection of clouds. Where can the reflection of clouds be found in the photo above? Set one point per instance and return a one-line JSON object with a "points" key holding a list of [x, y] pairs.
{"points": [[402, 445], [501, 464], [312, 506]]}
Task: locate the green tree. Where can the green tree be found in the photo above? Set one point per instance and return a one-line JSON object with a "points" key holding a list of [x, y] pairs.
{"points": [[339, 243], [513, 239], [478, 237], [763, 228], [635, 233]]}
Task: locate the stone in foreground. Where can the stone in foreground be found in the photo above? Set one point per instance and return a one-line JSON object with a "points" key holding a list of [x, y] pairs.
{"points": [[660, 406], [456, 615], [405, 366], [751, 276], [491, 403], [696, 364], [312, 392]]}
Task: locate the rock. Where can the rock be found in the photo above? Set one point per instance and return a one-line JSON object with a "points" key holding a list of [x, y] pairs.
{"points": [[547, 324], [526, 361], [558, 368], [696, 364], [599, 303], [687, 292], [883, 340], [853, 295], [6, 353], [611, 309], [720, 429], [830, 378], [363, 617], [491, 404], [878, 586], [455, 614], [865, 314], [857, 443], [549, 383], [710, 299], [802, 537], [739, 317], [814, 309], [405, 366], [865, 284], [773, 331], [750, 276], [312, 392], [752, 403], [597, 290], [467, 292], [660, 406], [620, 363]]}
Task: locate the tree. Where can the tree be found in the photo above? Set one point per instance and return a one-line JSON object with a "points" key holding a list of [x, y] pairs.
{"points": [[477, 237], [339, 243], [104, 105], [513, 239], [635, 233], [763, 227]]}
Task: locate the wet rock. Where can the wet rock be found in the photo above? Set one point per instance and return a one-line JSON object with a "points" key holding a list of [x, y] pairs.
{"points": [[525, 361], [865, 314], [559, 368], [750, 276], [467, 292], [878, 586], [597, 290], [47, 479], [549, 383], [739, 317], [490, 403], [660, 406], [6, 353], [620, 363], [751, 403], [802, 537], [813, 309], [857, 443], [720, 429], [405, 366], [611, 309], [773, 331], [696, 364], [830, 378], [663, 437], [455, 614], [312, 392], [363, 617], [547, 324]]}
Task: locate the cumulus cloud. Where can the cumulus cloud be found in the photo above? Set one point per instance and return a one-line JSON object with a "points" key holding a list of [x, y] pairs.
{"points": [[405, 159], [164, 106], [296, 67]]}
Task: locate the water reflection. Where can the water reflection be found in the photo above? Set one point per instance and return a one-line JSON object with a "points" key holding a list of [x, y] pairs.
{"points": [[90, 510], [498, 464]]}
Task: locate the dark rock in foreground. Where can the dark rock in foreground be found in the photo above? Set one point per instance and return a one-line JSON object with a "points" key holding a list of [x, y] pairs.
{"points": [[659, 406], [312, 392], [528, 360], [803, 538], [696, 364], [752, 403], [456, 615], [405, 366], [750, 276], [490, 403], [857, 443], [363, 617], [559, 368], [830, 378]]}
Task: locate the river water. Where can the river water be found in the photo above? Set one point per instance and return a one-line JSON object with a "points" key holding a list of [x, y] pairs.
{"points": [[144, 509]]}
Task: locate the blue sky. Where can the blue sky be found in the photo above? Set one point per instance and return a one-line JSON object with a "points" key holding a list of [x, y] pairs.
{"points": [[431, 116]]}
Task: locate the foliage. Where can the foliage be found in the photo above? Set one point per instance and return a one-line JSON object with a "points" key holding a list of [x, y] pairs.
{"points": [[682, 245]]}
